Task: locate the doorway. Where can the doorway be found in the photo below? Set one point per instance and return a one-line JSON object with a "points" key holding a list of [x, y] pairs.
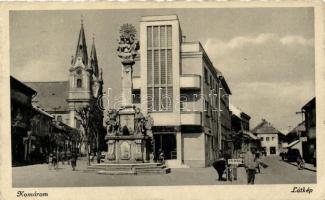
{"points": [[167, 143], [272, 150]]}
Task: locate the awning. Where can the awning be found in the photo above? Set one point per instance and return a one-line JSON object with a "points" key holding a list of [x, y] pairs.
{"points": [[291, 144], [251, 135]]}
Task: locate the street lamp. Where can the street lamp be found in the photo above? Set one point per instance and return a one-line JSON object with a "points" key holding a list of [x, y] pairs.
{"points": [[219, 113]]}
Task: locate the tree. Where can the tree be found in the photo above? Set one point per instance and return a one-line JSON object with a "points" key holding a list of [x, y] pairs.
{"points": [[84, 115], [90, 122]]}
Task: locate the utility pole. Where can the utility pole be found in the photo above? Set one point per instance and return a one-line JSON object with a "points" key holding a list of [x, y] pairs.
{"points": [[219, 116]]}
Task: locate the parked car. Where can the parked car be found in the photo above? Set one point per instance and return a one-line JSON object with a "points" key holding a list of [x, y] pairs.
{"points": [[293, 155]]}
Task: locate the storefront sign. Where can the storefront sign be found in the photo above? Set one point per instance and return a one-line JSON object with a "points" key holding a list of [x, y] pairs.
{"points": [[237, 161]]}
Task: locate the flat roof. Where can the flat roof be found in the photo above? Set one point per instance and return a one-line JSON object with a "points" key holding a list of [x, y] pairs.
{"points": [[159, 18]]}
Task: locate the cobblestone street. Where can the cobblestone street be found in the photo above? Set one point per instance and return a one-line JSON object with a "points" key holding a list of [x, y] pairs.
{"points": [[278, 172]]}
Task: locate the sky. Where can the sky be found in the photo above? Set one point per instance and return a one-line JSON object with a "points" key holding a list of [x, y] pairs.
{"points": [[265, 54]]}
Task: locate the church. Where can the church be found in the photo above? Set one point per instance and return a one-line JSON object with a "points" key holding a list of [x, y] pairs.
{"points": [[84, 86]]}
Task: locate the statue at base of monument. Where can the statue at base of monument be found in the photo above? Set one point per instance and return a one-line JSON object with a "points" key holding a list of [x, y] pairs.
{"points": [[148, 125], [139, 121], [112, 126]]}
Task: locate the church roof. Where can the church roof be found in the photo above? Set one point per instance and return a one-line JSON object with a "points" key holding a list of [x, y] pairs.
{"points": [[81, 50], [93, 59], [265, 127], [51, 96]]}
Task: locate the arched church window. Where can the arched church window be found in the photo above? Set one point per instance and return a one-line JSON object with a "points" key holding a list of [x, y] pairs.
{"points": [[79, 83], [80, 47]]}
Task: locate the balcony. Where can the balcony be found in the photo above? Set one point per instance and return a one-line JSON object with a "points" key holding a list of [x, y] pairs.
{"points": [[136, 82], [191, 118], [190, 81]]}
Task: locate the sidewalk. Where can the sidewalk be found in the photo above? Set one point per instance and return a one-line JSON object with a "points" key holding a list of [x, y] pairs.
{"points": [[308, 166]]}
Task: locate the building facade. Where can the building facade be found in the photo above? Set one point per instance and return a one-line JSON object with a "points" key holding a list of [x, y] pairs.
{"points": [[309, 146], [61, 99], [295, 138], [21, 112], [185, 94], [242, 138], [269, 137], [35, 132]]}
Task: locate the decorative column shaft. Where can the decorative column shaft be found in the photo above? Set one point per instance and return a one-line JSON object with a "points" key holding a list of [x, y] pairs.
{"points": [[127, 85]]}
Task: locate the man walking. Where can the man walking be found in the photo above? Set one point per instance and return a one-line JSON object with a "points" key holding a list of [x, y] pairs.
{"points": [[251, 163]]}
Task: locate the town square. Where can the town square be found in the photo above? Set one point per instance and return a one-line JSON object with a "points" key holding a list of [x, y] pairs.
{"points": [[158, 98]]}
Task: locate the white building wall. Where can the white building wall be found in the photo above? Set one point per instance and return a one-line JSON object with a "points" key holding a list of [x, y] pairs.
{"points": [[273, 142]]}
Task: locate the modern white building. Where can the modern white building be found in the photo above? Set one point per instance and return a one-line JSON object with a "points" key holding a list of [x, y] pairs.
{"points": [[183, 92]]}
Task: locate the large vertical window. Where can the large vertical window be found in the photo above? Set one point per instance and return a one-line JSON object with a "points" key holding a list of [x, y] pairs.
{"points": [[159, 68]]}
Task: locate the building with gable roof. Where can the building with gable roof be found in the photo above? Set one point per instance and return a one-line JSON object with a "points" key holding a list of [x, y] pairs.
{"points": [[269, 137]]}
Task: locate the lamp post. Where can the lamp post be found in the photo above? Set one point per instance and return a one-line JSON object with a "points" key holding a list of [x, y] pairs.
{"points": [[219, 115]]}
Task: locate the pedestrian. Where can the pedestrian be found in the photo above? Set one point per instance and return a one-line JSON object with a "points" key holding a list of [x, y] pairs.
{"points": [[68, 156], [251, 163], [55, 161], [62, 157], [161, 156], [73, 161], [257, 157], [220, 167], [50, 160]]}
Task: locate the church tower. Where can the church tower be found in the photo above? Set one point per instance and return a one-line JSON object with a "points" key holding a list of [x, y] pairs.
{"points": [[85, 79]]}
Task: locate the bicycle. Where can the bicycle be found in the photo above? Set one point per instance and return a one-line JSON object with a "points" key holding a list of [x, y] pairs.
{"points": [[301, 164]]}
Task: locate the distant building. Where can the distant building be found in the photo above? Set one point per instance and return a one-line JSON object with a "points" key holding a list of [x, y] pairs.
{"points": [[239, 119], [21, 112], [309, 111], [242, 138], [296, 137], [85, 84], [175, 81], [35, 133], [269, 137]]}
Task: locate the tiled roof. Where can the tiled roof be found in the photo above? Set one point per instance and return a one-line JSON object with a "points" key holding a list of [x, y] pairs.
{"points": [[51, 96], [265, 128], [310, 103], [299, 128], [18, 85]]}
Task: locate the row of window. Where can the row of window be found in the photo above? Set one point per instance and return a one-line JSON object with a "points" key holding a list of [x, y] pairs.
{"points": [[267, 138], [159, 68], [209, 80]]}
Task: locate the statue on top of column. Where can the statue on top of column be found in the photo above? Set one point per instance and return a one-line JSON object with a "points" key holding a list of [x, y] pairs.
{"points": [[128, 45]]}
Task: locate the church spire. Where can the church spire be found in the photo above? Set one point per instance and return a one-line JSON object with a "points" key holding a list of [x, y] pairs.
{"points": [[81, 51], [93, 59]]}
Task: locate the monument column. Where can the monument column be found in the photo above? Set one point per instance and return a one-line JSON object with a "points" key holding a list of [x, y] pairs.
{"points": [[127, 84], [127, 50]]}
